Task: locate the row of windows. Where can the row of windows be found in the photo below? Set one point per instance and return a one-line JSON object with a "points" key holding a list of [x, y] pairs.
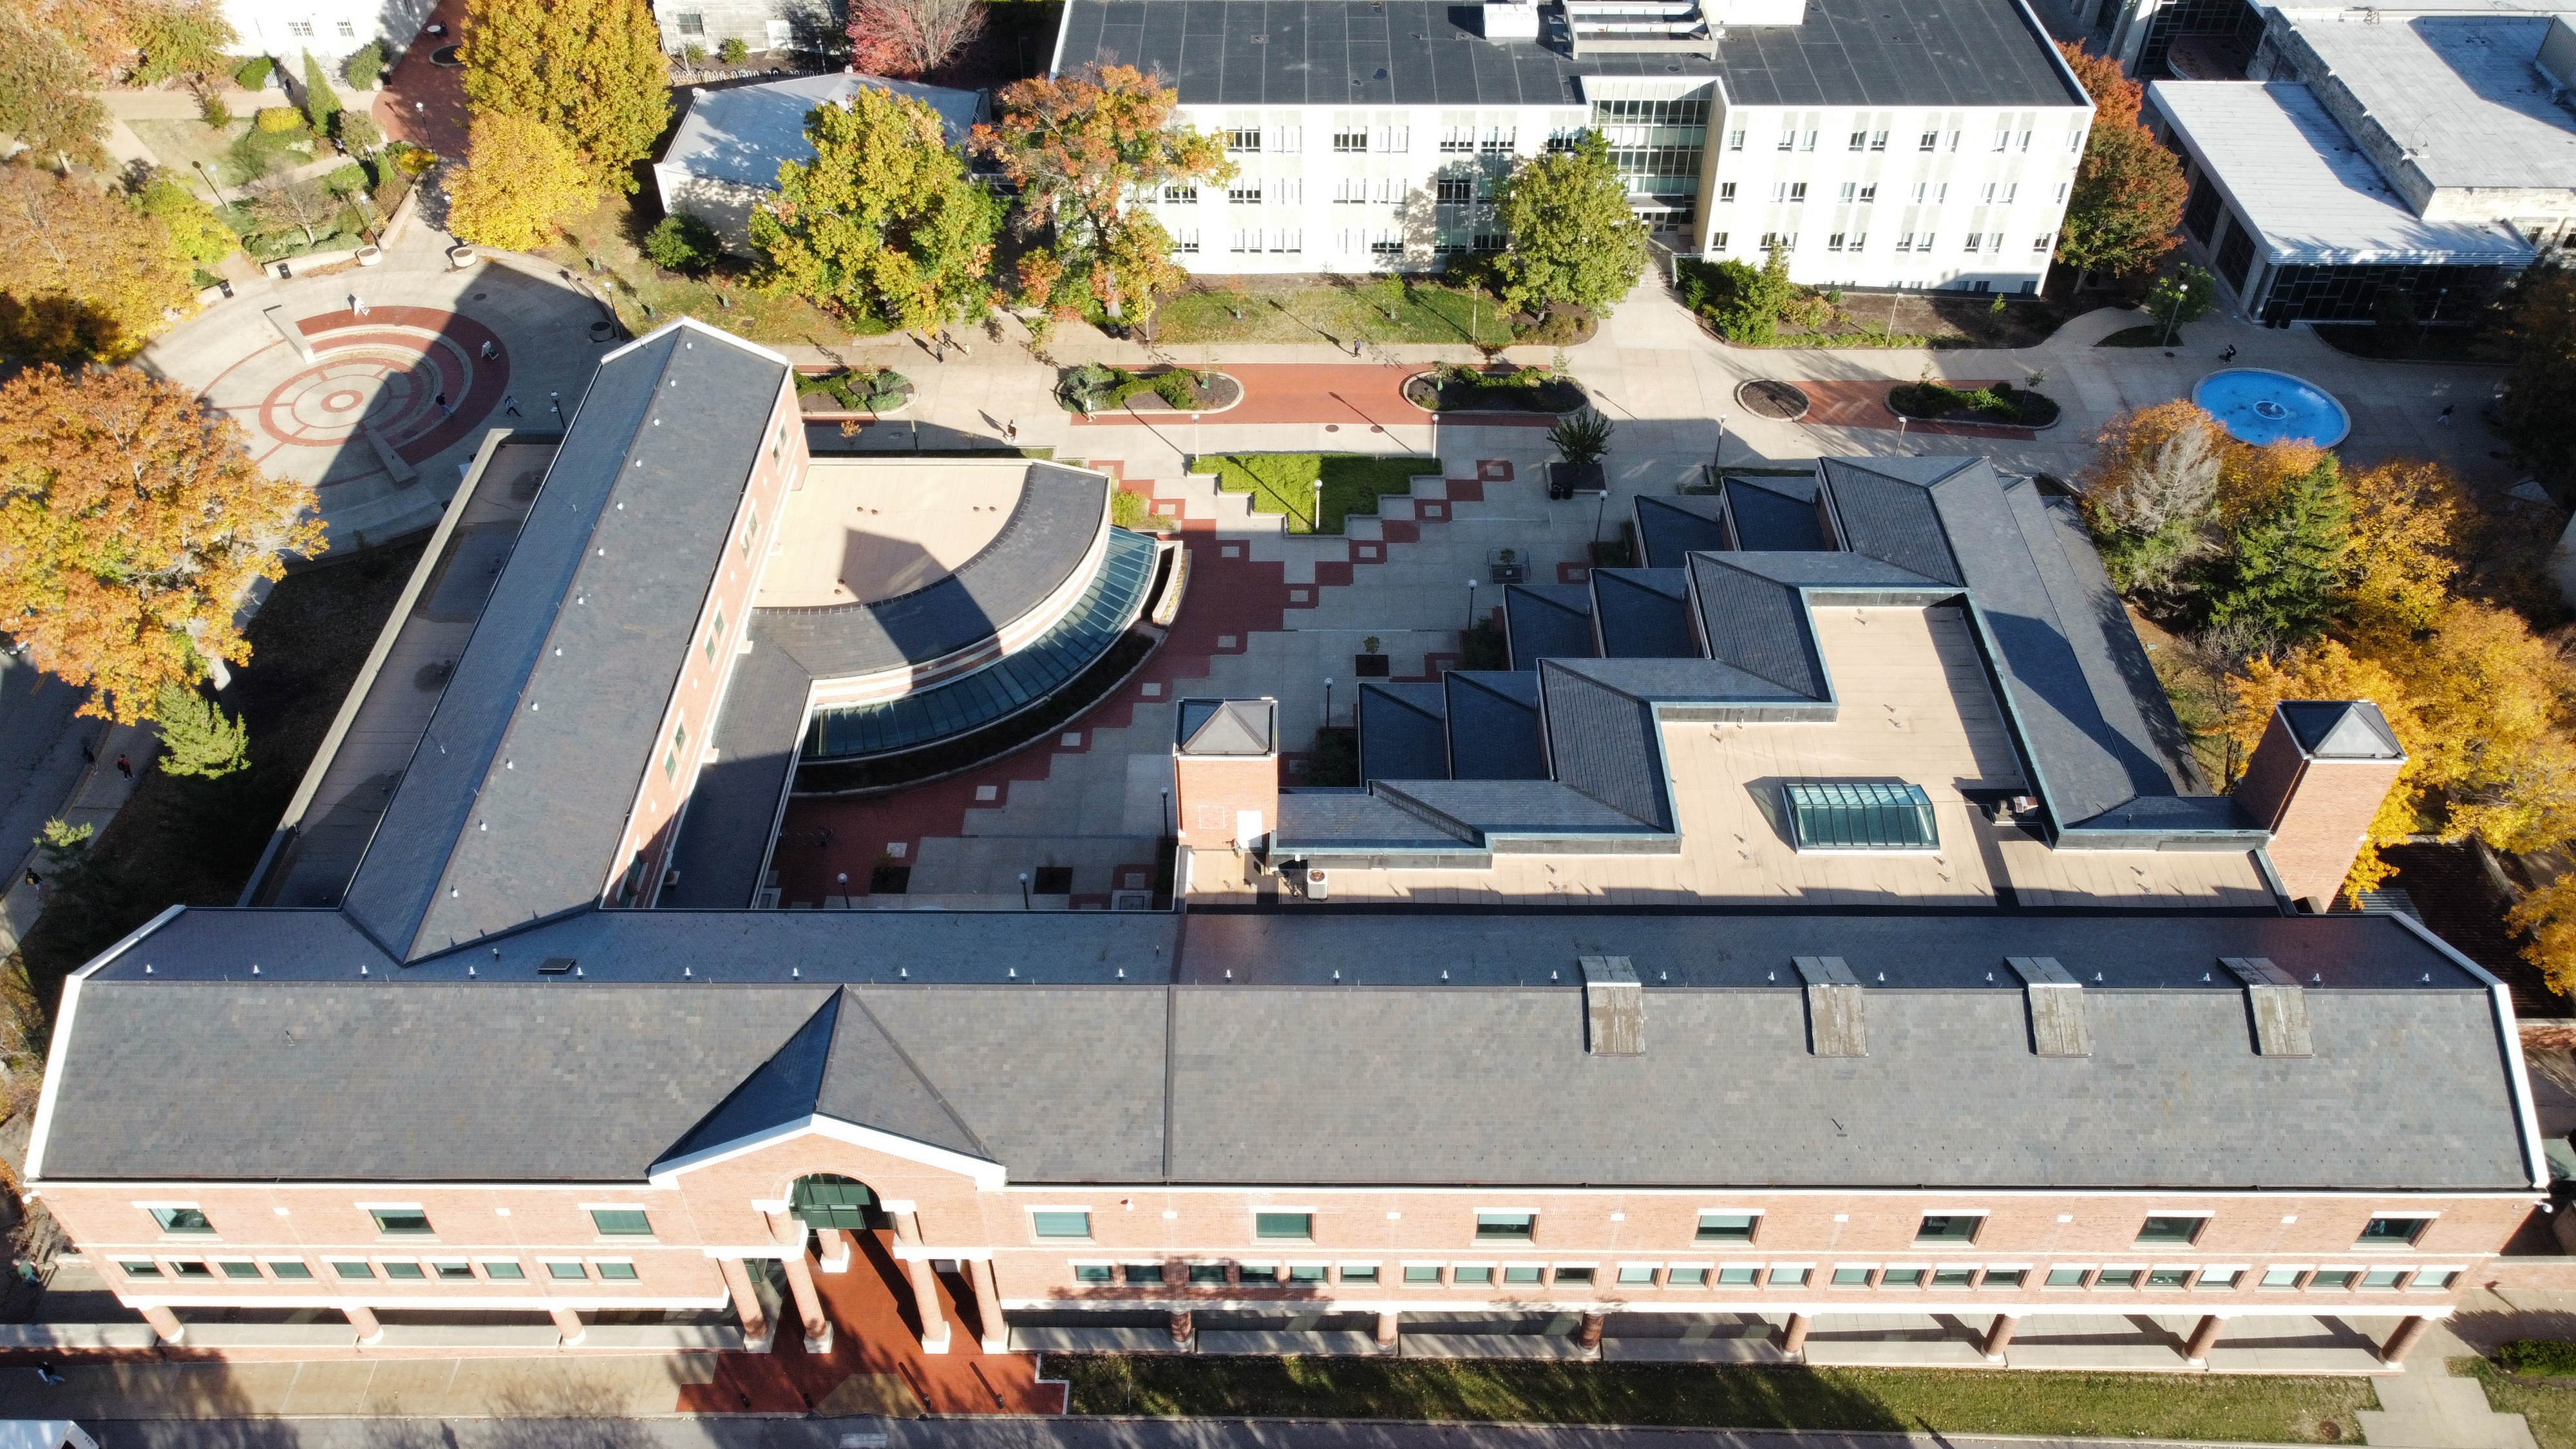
{"points": [[393, 1270], [1651, 113], [1206, 1274], [1717, 1226], [400, 1221], [2007, 139], [1460, 139], [1865, 194], [1909, 241]]}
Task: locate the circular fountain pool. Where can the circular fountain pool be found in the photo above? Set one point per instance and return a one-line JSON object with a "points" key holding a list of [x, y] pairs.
{"points": [[2258, 406]]}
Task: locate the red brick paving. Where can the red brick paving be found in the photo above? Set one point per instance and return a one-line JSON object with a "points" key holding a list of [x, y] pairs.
{"points": [[874, 1332], [488, 380], [424, 104], [1341, 396], [1864, 405]]}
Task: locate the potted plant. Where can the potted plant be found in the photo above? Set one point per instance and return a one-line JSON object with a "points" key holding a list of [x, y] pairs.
{"points": [[1580, 440], [1369, 664], [1509, 565]]}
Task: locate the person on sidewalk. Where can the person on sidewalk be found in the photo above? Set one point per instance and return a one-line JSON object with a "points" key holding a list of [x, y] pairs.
{"points": [[489, 351], [125, 767], [2229, 355], [45, 1372], [1011, 431], [510, 403], [2445, 418], [34, 879], [444, 410]]}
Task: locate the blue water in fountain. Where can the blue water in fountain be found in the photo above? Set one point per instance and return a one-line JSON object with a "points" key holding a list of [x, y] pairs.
{"points": [[2258, 407]]}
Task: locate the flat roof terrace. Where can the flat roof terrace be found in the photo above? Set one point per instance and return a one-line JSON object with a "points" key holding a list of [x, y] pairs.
{"points": [[865, 532]]}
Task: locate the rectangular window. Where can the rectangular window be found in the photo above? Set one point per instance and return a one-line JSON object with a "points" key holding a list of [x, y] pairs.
{"points": [[404, 1272], [1807, 142], [714, 635], [1243, 138], [1349, 142], [751, 530], [1637, 1273], [621, 1222], [1859, 241], [1247, 1272], [1834, 243], [1685, 1277], [1488, 241], [2434, 1278], [1726, 191], [1305, 1272], [1244, 193], [1181, 195], [1737, 1277], [1902, 1277], [2066, 1277], [1502, 138], [1185, 240], [348, 30], [400, 1221], [1092, 1273], [615, 1270], [1574, 1275], [1139, 1275], [2171, 1229], [1976, 239], [1386, 246], [1717, 241], [1454, 190], [289, 1270], [1505, 1227], [301, 29], [1851, 1277], [2040, 242], [1931, 141], [1299, 1227], [2003, 140], [1789, 1277], [1458, 138], [180, 1220], [2278, 1279], [1521, 1273], [2168, 1277], [692, 23], [1735, 140], [2004, 1278], [2392, 1232], [2025, 141], [1859, 139], [343, 1268], [1878, 140], [504, 1270], [1797, 193], [2117, 1278], [2333, 1278], [190, 1271], [1869, 193], [1359, 1272], [1954, 141], [251, 1270], [568, 1272], [453, 1272], [1726, 1227], [1953, 1277], [2219, 1278], [1463, 1275], [139, 1267], [1061, 1223], [1788, 140], [1421, 1272], [1394, 140]]}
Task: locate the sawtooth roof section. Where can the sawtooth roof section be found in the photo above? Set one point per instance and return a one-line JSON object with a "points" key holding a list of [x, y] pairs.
{"points": [[1349, 822], [1759, 625], [1404, 731], [1605, 744], [1775, 515], [1679, 684], [1421, 53], [517, 796], [1669, 530], [1884, 509], [1479, 810], [1058, 520], [1548, 621], [1643, 614], [2341, 730], [1494, 726]]}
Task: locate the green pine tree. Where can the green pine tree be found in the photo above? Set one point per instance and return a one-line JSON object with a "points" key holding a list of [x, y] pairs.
{"points": [[321, 102], [2286, 564], [1573, 238], [196, 737]]}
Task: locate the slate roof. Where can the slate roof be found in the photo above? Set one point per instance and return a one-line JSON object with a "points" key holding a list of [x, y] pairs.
{"points": [[1345, 822], [517, 796], [1421, 53], [1775, 514], [1493, 726], [1276, 1077], [1547, 621], [1403, 731], [1671, 529], [1642, 614], [1228, 726], [2341, 730]]}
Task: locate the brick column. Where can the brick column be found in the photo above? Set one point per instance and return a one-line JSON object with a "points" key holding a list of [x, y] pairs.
{"points": [[1999, 1336], [1793, 1339], [832, 1250], [756, 1334], [363, 1322], [1388, 1325], [1182, 1329], [2204, 1337], [790, 1236], [988, 1306], [1589, 1335], [925, 1301], [165, 1323], [2410, 1331], [569, 1328]]}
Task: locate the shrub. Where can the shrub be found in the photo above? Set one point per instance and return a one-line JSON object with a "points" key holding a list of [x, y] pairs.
{"points": [[857, 389], [694, 56], [1129, 510], [253, 73], [359, 135], [2538, 1356], [279, 120], [212, 110], [1178, 387], [196, 736], [321, 103], [733, 51], [365, 66], [683, 242], [413, 161]]}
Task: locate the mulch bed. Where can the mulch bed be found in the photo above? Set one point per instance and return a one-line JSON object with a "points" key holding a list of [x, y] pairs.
{"points": [[1560, 395], [1770, 398], [1220, 391]]}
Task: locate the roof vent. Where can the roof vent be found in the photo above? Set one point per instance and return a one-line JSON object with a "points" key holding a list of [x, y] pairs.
{"points": [[554, 966], [2056, 1006], [2278, 1005], [1614, 1008], [1837, 1018]]}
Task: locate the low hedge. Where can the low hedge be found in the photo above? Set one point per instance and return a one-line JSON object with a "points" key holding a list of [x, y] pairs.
{"points": [[253, 73], [2002, 403], [279, 120], [861, 390], [2545, 1357], [1097, 387]]}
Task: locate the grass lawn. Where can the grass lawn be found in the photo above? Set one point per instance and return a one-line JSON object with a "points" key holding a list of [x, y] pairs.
{"points": [[196, 841], [1285, 483], [2247, 1408], [1302, 309], [647, 296], [2549, 1404], [2201, 694]]}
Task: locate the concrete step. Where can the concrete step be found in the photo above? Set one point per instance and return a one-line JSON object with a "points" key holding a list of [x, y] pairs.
{"points": [[1293, 1345], [1493, 1345]]}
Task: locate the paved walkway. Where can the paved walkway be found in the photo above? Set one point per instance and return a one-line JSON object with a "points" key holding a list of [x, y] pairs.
{"points": [[423, 103]]}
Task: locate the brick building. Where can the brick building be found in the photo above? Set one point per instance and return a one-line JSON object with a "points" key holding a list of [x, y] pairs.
{"points": [[532, 1043]]}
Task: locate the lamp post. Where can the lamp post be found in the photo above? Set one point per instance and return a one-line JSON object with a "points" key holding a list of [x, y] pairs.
{"points": [[1315, 523], [211, 182], [1600, 512], [1471, 603], [1328, 701], [2437, 306], [2182, 293], [1024, 891], [1167, 811], [1718, 461]]}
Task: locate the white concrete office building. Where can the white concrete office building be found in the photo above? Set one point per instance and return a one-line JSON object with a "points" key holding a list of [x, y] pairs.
{"points": [[1917, 147]]}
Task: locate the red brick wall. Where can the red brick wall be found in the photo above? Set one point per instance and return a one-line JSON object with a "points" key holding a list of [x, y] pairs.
{"points": [[2318, 811], [1209, 790]]}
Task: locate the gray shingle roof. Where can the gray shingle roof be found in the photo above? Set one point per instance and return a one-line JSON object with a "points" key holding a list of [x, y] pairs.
{"points": [[1358, 823], [546, 748], [1276, 1077], [2341, 730], [1493, 726], [1776, 514], [1548, 621], [1418, 52], [1604, 743], [1643, 614], [1228, 727], [1758, 625], [1403, 730], [1671, 529]]}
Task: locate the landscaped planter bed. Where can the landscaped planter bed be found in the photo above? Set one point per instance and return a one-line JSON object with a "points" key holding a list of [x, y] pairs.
{"points": [[1093, 388], [878, 390], [1470, 390], [2001, 405]]}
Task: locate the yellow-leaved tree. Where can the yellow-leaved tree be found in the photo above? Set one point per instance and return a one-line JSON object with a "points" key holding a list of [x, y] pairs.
{"points": [[593, 69], [2328, 670], [519, 176], [82, 275], [132, 521]]}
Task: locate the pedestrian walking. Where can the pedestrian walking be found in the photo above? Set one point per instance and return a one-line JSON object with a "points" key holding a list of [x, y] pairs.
{"points": [[444, 410], [89, 753], [125, 767], [489, 351], [2445, 418], [34, 879], [2229, 355], [354, 309], [45, 1372], [510, 403], [1011, 430]]}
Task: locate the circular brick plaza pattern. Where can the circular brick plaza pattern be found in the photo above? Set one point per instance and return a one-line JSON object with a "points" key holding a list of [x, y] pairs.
{"points": [[383, 372]]}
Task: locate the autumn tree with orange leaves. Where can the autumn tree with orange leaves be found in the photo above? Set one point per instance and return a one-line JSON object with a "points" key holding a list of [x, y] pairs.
{"points": [[1079, 149], [2129, 190], [132, 523]]}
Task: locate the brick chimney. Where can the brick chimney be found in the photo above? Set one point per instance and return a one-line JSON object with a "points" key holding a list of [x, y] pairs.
{"points": [[2315, 782], [1225, 772]]}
